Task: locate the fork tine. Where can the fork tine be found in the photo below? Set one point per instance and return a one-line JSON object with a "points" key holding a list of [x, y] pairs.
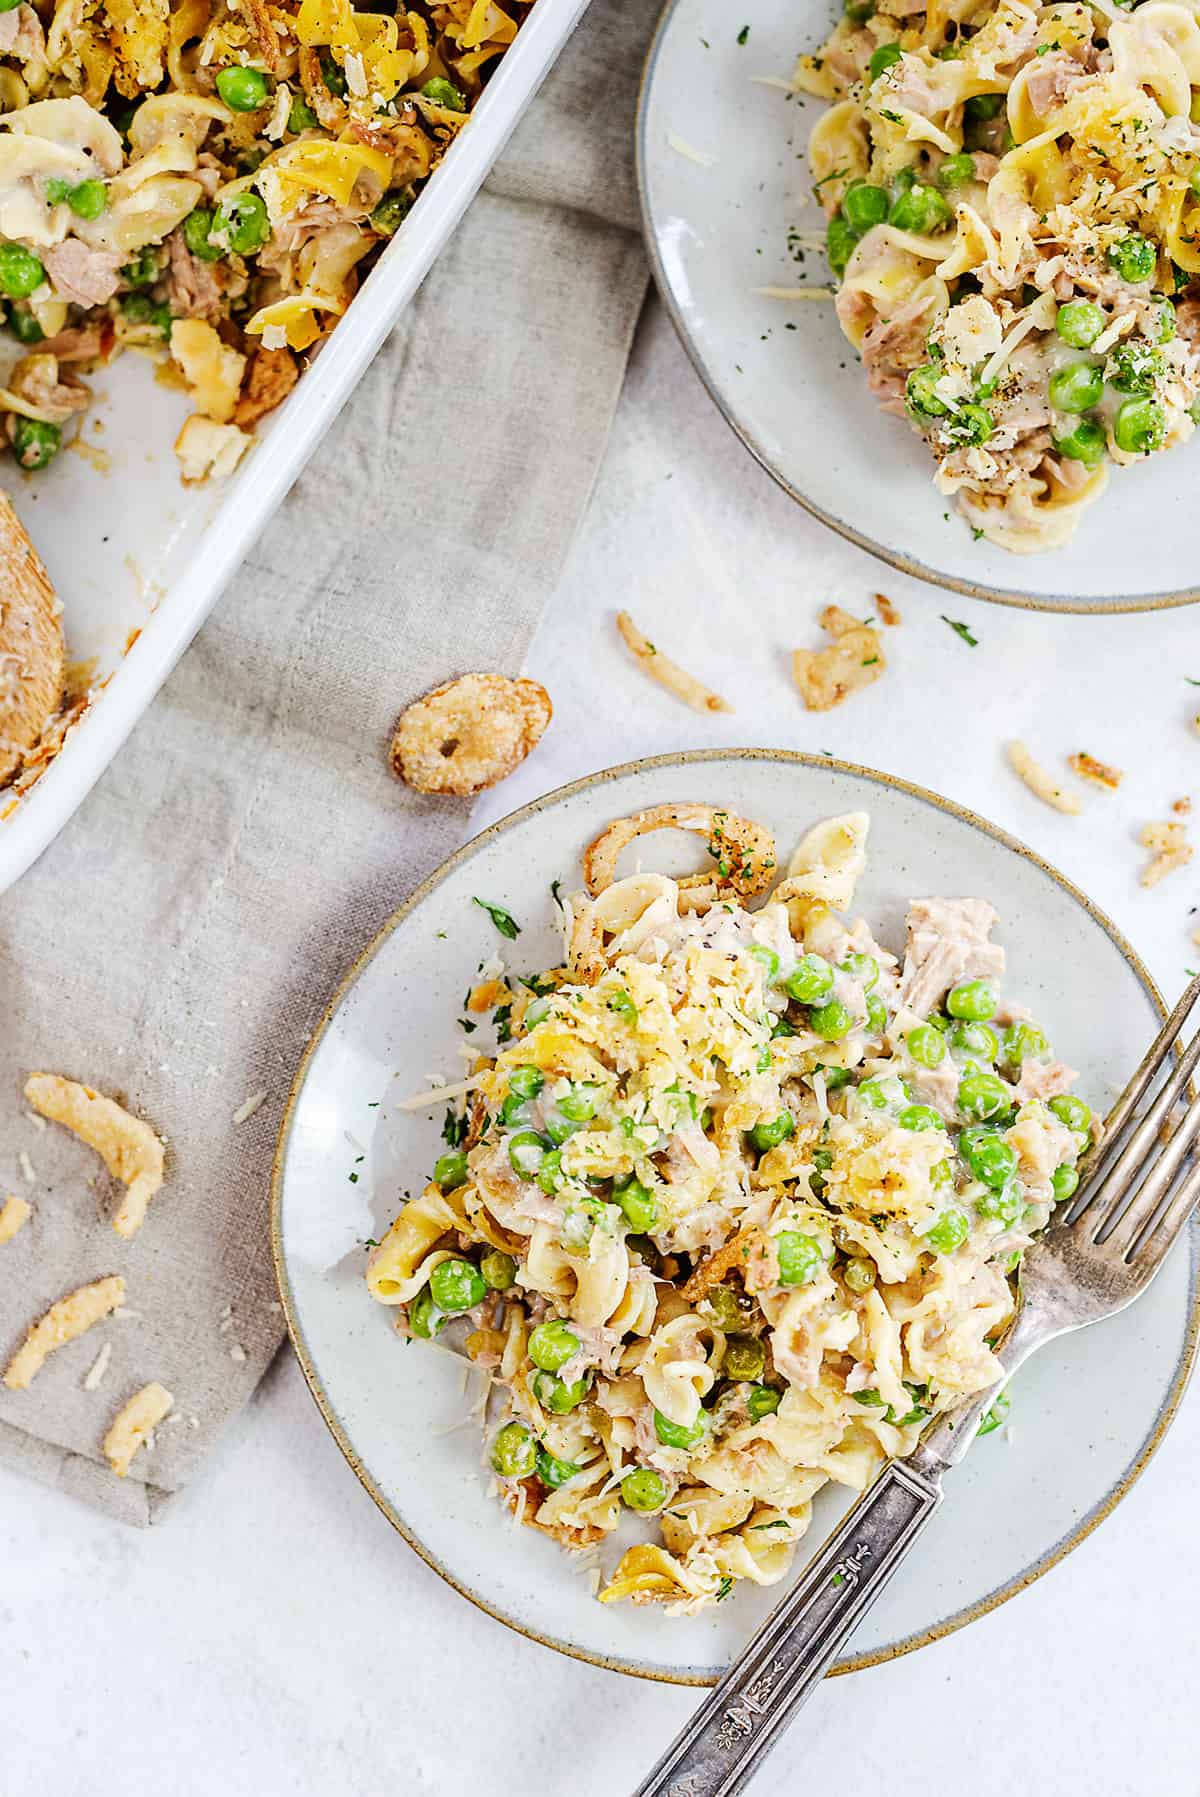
{"points": [[1155, 1243], [1103, 1200], [1149, 1065], [1162, 1170]]}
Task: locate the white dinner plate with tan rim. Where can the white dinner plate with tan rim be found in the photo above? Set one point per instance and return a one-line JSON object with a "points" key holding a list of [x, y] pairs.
{"points": [[1087, 1412], [722, 166]]}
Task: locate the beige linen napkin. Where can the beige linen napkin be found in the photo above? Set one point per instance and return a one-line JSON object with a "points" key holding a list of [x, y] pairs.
{"points": [[178, 942]]}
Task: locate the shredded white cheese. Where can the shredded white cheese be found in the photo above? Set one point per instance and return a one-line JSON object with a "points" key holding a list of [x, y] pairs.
{"points": [[98, 1367], [252, 1105], [680, 145]]}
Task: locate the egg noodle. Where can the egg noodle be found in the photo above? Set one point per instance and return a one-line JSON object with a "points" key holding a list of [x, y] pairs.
{"points": [[210, 178], [737, 1203], [1014, 196]]}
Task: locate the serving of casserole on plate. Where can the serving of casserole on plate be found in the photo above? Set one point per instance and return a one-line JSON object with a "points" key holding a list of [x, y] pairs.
{"points": [[723, 1216]]}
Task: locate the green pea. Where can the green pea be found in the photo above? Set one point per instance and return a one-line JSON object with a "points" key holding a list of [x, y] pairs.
{"points": [[988, 1155], [1133, 367], [137, 307], [450, 1170], [333, 75], [926, 1045], [968, 423], [876, 1014], [839, 243], [922, 208], [882, 1090], [1079, 323], [919, 395], [920, 1116], [1005, 1205], [301, 117], [578, 1105], [35, 443], [858, 11], [514, 1108], [982, 107], [745, 1358], [863, 968], [1076, 388], [499, 1270], [836, 1077], [864, 205], [552, 1472], [949, 1232], [768, 957], [526, 1082], [810, 979], [56, 191], [770, 1135], [457, 1285], [882, 59], [623, 1006], [21, 273], [537, 1013], [983, 1095], [1086, 443], [244, 223], [831, 1021], [552, 1344], [553, 1395], [972, 1000], [956, 170], [1167, 326], [88, 199], [799, 1256], [638, 1204], [550, 1175], [197, 229], [1065, 1181], [526, 1152], [723, 1304], [859, 1273], [762, 1400], [243, 90], [444, 93], [142, 271], [644, 1489], [1024, 1042], [1134, 257], [1139, 426], [424, 1317], [1072, 1111], [24, 326], [978, 1039], [514, 1452], [679, 1435]]}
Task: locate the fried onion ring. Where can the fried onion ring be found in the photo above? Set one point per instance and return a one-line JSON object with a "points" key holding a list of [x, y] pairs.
{"points": [[743, 851], [469, 733]]}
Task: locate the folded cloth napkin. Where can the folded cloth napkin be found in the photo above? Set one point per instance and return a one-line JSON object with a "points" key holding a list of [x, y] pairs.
{"points": [[177, 944]]}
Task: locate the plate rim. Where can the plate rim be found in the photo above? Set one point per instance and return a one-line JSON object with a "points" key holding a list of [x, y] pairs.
{"points": [[968, 1613], [893, 558]]}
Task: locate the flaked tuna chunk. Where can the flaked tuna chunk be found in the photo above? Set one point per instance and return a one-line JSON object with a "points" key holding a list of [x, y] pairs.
{"points": [[947, 942]]}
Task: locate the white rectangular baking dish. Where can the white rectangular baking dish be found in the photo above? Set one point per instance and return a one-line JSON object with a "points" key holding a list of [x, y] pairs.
{"points": [[130, 549]]}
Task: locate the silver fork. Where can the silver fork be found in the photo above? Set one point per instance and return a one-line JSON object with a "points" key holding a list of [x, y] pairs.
{"points": [[1137, 1189]]}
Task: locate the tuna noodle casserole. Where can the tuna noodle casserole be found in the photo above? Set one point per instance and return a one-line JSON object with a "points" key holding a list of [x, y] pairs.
{"points": [[737, 1203], [1013, 194], [209, 178]]}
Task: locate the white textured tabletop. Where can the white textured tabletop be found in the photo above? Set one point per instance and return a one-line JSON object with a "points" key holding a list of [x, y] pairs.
{"points": [[276, 1637]]}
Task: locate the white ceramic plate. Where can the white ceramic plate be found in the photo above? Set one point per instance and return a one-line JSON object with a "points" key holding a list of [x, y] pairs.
{"points": [[718, 229], [1087, 1412], [135, 554]]}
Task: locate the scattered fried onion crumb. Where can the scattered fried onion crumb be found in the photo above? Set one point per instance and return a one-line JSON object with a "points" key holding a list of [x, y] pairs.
{"points": [[1041, 782], [70, 1317], [887, 610], [1098, 772], [1182, 807], [14, 1214], [1169, 849], [469, 733], [98, 1368], [252, 1105], [128, 1147], [668, 673], [853, 660], [133, 1423]]}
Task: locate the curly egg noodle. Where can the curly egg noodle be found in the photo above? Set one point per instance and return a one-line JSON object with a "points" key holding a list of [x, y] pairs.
{"points": [[736, 1204], [1014, 198], [210, 178]]}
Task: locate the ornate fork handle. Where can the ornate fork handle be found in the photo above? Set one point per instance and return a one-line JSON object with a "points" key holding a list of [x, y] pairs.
{"points": [[739, 1722]]}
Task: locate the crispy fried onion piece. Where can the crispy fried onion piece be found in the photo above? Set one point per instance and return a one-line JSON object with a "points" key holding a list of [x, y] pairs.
{"points": [[469, 733], [668, 673], [31, 644], [133, 1423], [1098, 772], [742, 850], [1041, 781], [128, 1147], [1169, 849], [734, 1256], [72, 1316], [14, 1214], [854, 659], [888, 610]]}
